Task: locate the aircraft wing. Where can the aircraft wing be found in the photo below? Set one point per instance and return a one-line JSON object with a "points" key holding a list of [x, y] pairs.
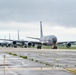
{"points": [[34, 42], [13, 40], [67, 43], [6, 40], [15, 43]]}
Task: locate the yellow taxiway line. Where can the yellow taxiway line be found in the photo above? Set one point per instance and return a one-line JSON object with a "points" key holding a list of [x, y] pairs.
{"points": [[72, 70], [33, 69]]}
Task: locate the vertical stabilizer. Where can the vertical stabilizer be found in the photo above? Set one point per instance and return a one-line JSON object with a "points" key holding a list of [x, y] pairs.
{"points": [[18, 35], [9, 36], [5, 38], [41, 31]]}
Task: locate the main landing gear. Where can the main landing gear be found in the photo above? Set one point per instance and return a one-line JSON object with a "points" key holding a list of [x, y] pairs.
{"points": [[54, 47], [38, 47]]}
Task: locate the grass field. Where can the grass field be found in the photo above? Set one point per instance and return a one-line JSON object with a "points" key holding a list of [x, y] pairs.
{"points": [[64, 47], [59, 47]]}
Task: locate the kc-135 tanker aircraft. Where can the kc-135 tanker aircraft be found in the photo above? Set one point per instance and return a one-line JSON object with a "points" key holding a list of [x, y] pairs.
{"points": [[50, 40]]}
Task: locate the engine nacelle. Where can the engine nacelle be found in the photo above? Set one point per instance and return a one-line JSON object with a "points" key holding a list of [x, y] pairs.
{"points": [[14, 42], [68, 45], [29, 44]]}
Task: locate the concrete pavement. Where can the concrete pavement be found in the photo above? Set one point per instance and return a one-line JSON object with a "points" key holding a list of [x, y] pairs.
{"points": [[38, 62]]}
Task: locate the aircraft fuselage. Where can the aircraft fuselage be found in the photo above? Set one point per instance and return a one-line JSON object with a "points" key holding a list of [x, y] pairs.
{"points": [[49, 40]]}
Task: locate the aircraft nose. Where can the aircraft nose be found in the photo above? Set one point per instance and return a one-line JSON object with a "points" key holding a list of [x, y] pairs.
{"points": [[54, 40]]}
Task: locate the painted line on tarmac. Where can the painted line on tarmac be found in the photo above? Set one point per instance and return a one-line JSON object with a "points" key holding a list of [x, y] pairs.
{"points": [[72, 70], [35, 50], [33, 69]]}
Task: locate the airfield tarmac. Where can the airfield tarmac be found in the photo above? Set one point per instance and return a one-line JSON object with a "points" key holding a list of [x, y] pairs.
{"points": [[38, 61]]}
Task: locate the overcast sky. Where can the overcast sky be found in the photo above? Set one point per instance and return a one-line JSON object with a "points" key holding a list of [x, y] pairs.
{"points": [[58, 17]]}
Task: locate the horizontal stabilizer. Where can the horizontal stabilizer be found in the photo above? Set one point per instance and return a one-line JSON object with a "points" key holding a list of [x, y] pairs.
{"points": [[34, 38]]}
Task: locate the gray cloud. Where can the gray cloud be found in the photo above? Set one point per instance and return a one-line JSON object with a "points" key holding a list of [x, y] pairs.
{"points": [[60, 12]]}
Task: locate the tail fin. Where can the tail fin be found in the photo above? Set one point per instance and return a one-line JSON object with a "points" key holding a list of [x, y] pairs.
{"points": [[41, 31], [18, 35], [9, 36]]}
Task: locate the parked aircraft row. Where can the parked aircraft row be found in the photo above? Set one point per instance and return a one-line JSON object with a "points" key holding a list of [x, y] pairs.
{"points": [[50, 40]]}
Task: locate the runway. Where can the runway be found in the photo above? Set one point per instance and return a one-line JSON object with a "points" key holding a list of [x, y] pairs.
{"points": [[38, 61]]}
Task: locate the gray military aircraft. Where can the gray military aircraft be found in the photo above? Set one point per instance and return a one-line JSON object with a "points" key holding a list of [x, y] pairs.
{"points": [[50, 40], [5, 43], [13, 43]]}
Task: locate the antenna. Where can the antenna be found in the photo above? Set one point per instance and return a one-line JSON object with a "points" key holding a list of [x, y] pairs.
{"points": [[41, 31]]}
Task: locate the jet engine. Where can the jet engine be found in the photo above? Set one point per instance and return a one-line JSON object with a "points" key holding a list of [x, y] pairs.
{"points": [[29, 44], [14, 44], [68, 45]]}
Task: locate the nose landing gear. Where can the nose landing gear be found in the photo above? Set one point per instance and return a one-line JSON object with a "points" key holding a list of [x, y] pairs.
{"points": [[54, 47]]}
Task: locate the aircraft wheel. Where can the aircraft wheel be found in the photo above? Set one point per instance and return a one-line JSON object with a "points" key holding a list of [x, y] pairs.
{"points": [[55, 47], [25, 46], [38, 47], [15, 46]]}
